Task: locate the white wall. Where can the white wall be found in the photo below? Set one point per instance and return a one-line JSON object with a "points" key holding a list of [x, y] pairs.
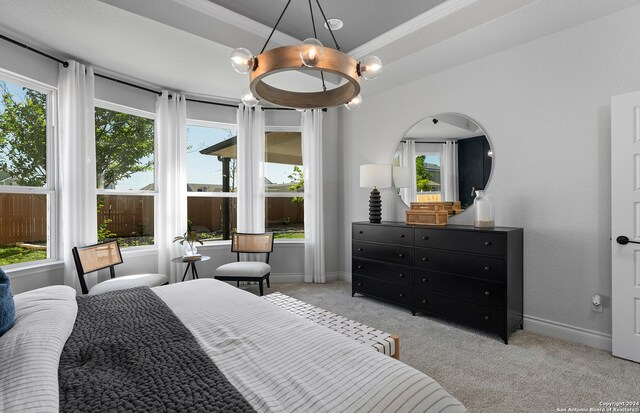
{"points": [[545, 108]]}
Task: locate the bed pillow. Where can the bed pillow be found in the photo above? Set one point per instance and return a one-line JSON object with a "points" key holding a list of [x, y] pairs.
{"points": [[7, 307], [30, 351]]}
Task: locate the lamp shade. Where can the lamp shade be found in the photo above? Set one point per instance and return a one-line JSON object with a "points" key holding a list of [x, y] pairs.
{"points": [[401, 176], [375, 176]]}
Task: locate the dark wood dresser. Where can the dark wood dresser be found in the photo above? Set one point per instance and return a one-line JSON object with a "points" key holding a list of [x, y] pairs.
{"points": [[469, 275]]}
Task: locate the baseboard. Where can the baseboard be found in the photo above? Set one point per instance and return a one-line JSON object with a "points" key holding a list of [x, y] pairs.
{"points": [[345, 276], [567, 332], [294, 278]]}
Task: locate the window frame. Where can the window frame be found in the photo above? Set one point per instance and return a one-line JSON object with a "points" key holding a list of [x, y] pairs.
{"points": [[50, 190], [213, 125], [439, 154], [103, 104]]}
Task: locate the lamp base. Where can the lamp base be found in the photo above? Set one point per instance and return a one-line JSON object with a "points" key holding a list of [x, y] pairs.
{"points": [[375, 207]]}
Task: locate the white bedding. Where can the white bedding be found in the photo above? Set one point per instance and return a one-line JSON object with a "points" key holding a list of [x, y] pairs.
{"points": [[283, 363]]}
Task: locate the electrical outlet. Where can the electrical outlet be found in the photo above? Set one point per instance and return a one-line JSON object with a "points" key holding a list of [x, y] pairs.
{"points": [[597, 303]]}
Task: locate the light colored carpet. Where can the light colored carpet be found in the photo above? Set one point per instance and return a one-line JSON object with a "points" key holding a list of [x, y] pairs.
{"points": [[532, 374]]}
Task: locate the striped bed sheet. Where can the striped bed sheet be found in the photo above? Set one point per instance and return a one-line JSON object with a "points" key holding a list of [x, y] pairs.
{"points": [[369, 336], [284, 363]]}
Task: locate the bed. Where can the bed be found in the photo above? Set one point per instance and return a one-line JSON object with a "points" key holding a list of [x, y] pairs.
{"points": [[71, 354]]}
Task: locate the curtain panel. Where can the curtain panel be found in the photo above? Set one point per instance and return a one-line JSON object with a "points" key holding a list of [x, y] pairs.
{"points": [[251, 197], [409, 159], [76, 186], [449, 171], [171, 211], [314, 263]]}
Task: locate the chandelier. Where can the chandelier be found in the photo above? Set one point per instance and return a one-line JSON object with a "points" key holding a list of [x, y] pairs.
{"points": [[313, 56]]}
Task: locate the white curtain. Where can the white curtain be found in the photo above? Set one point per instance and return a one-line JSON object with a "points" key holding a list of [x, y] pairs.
{"points": [[171, 214], [313, 209], [449, 171], [77, 217], [409, 159], [250, 186]]}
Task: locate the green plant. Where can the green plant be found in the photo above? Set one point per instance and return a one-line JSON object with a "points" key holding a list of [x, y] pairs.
{"points": [[190, 236]]}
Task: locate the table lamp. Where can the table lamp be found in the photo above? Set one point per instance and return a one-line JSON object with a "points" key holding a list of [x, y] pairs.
{"points": [[375, 176]]}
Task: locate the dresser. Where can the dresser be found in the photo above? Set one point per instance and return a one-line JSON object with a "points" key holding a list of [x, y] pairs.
{"points": [[458, 272]]}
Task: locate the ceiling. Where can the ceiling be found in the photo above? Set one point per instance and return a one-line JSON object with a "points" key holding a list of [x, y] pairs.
{"points": [[447, 127], [364, 20], [184, 45]]}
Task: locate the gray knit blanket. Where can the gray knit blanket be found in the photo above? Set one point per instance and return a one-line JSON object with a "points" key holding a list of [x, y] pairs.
{"points": [[129, 352]]}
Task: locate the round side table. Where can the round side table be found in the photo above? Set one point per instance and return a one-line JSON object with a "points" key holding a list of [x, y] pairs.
{"points": [[190, 264]]}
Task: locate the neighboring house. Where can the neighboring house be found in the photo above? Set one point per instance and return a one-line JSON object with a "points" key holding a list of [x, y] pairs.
{"points": [[7, 180]]}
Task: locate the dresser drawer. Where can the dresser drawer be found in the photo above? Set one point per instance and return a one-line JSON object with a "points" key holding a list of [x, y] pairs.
{"points": [[464, 241], [391, 292], [380, 233], [489, 268], [398, 274], [480, 292], [472, 314], [396, 254]]}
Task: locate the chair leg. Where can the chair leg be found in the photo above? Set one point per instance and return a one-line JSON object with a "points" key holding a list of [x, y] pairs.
{"points": [[268, 285], [237, 284], [261, 289]]}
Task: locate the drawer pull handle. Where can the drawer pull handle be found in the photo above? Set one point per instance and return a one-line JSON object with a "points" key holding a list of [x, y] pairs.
{"points": [[487, 268], [425, 238], [425, 259], [487, 243], [359, 284], [360, 249], [401, 294], [359, 267], [401, 235], [487, 317], [424, 280], [401, 275], [401, 255], [360, 232], [487, 293], [425, 301]]}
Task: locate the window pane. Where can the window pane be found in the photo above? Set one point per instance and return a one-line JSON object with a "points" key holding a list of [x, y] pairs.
{"points": [[129, 219], [212, 160], [428, 173], [285, 217], [23, 136], [283, 166], [124, 151], [213, 218], [23, 228]]}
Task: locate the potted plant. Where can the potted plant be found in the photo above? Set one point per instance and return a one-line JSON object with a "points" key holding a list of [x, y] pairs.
{"points": [[190, 237]]}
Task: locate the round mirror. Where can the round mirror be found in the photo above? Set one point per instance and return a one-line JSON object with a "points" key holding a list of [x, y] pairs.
{"points": [[442, 158]]}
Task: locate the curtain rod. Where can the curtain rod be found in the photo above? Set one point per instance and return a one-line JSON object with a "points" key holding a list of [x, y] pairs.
{"points": [[66, 64]]}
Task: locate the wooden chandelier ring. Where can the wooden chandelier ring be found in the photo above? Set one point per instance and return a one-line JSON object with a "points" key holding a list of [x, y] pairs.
{"points": [[286, 58]]}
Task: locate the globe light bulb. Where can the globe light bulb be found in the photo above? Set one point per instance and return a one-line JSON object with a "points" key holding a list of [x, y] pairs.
{"points": [[354, 103], [248, 99], [242, 60], [311, 52], [370, 67]]}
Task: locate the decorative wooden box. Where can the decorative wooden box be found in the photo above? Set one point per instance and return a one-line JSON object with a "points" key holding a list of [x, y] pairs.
{"points": [[422, 217]]}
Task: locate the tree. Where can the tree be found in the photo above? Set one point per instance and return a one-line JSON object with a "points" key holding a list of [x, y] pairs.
{"points": [[124, 145], [23, 137], [297, 178], [423, 177]]}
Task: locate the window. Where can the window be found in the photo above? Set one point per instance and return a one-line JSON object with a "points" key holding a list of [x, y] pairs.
{"points": [[212, 166], [125, 175], [284, 184], [27, 190], [428, 177]]}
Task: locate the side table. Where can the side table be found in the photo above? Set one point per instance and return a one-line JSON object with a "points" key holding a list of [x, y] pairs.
{"points": [[190, 264]]}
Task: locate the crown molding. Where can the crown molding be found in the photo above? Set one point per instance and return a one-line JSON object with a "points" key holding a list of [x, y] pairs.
{"points": [[421, 21], [238, 20]]}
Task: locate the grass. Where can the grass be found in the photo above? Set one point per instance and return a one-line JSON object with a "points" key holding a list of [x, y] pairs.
{"points": [[13, 255], [288, 235]]}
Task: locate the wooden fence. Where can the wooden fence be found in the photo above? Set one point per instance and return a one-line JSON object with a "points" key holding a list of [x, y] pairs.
{"points": [[23, 218]]}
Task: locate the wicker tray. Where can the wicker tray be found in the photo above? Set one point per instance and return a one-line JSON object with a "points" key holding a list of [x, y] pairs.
{"points": [[417, 217]]}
